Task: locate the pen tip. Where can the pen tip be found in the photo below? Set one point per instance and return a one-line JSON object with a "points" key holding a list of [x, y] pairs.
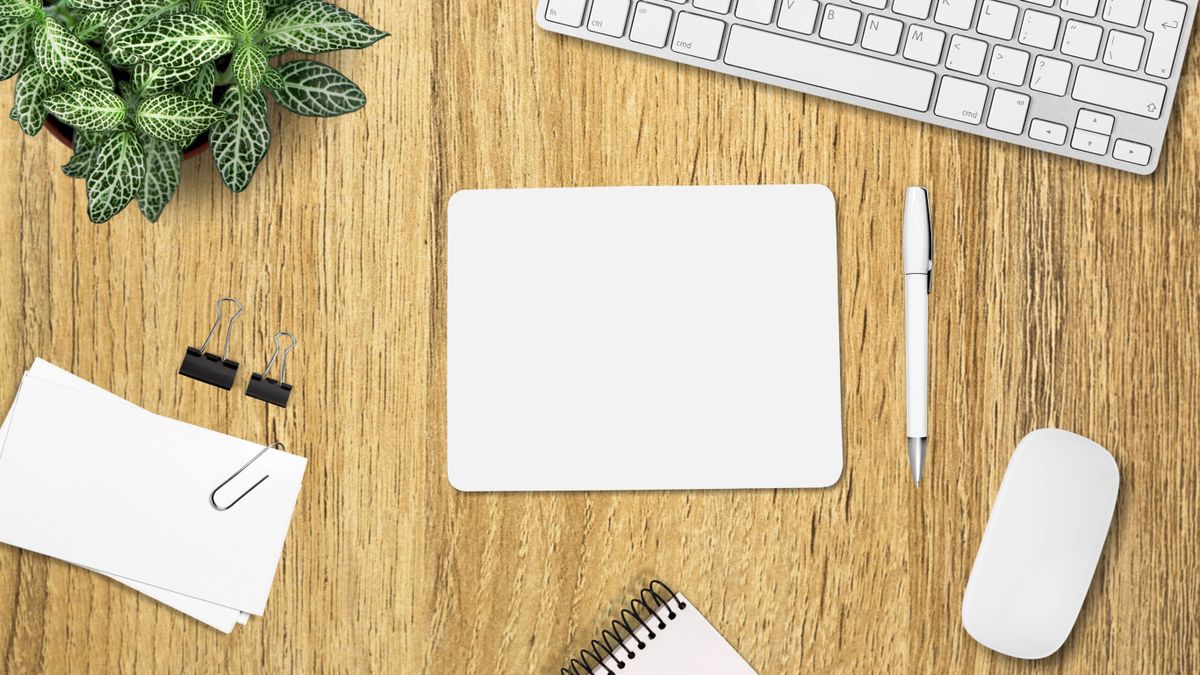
{"points": [[916, 458]]}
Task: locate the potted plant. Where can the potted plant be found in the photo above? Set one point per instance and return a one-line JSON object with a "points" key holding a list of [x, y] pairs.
{"points": [[139, 82]]}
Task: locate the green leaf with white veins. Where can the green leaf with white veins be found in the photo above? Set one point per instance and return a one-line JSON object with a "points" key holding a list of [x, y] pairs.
{"points": [[312, 27], [203, 86], [34, 86], [178, 41], [87, 146], [150, 79], [174, 118], [68, 58], [91, 25], [88, 109], [163, 167], [117, 176], [249, 66], [315, 89], [19, 8], [240, 141], [135, 15], [213, 8], [14, 45], [245, 17], [93, 5]]}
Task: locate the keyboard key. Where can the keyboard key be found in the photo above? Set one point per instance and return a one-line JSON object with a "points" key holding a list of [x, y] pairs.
{"points": [[924, 44], [1043, 3], [1039, 29], [608, 17], [798, 15], [1128, 151], [1050, 132], [955, 13], [917, 9], [1090, 141], [997, 19], [1094, 121], [1124, 50], [1008, 111], [758, 11], [1050, 76], [1164, 20], [1083, 7], [1124, 12], [966, 55], [651, 24], [566, 12], [840, 24], [1119, 92], [960, 100], [882, 34], [873, 4], [718, 6], [1082, 40], [698, 36], [829, 68], [1008, 65]]}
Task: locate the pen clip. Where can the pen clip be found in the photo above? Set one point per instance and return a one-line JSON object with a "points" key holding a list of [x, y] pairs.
{"points": [[929, 221]]}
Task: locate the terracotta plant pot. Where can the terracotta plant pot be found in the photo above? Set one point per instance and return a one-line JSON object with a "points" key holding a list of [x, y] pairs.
{"points": [[66, 134]]}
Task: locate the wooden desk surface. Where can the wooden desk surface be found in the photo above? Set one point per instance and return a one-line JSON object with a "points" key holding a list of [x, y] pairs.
{"points": [[1065, 295]]}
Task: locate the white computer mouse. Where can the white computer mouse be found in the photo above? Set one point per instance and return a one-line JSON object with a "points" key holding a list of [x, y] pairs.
{"points": [[1041, 545]]}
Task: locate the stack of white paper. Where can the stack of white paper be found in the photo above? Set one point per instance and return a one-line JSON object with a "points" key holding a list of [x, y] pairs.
{"points": [[96, 481]]}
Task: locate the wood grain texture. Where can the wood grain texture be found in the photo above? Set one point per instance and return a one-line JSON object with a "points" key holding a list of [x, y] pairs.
{"points": [[1065, 295]]}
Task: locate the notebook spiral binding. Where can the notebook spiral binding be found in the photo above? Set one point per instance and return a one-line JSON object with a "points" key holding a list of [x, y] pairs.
{"points": [[611, 644]]}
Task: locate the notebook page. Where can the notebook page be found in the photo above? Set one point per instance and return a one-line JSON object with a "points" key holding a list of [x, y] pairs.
{"points": [[689, 644], [127, 494], [220, 618]]}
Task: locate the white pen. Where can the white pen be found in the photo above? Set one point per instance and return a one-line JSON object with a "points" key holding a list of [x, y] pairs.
{"points": [[918, 282]]}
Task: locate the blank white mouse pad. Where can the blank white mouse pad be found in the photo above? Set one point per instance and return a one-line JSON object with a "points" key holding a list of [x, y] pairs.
{"points": [[1041, 545], [643, 338]]}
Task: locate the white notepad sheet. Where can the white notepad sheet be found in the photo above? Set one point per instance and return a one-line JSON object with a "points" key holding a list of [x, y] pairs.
{"points": [[643, 338], [689, 644], [126, 493], [217, 616]]}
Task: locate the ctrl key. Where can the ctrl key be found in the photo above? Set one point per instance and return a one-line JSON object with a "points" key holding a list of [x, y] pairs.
{"points": [[1128, 151]]}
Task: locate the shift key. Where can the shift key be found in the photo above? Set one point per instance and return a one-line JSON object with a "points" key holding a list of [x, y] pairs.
{"points": [[1119, 92]]}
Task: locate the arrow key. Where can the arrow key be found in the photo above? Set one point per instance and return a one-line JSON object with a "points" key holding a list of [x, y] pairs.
{"points": [[1091, 120], [1090, 141], [1048, 132], [1128, 151]]}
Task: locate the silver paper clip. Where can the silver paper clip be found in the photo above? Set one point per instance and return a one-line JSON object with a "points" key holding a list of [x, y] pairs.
{"points": [[212, 498]]}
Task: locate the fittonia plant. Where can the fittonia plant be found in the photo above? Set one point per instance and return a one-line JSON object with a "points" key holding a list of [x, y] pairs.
{"points": [[141, 80]]}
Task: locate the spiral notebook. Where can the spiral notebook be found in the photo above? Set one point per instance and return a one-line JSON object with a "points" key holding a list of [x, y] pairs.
{"points": [[643, 338], [659, 633]]}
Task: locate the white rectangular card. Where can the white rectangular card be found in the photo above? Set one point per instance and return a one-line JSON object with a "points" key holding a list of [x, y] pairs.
{"points": [[643, 338], [221, 618], [127, 494]]}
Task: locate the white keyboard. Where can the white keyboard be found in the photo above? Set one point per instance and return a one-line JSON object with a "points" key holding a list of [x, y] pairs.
{"points": [[1089, 79]]}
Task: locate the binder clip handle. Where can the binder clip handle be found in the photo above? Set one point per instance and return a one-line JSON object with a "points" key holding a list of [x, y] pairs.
{"points": [[217, 324], [265, 388]]}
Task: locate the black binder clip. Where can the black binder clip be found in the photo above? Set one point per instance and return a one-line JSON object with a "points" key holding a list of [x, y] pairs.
{"points": [[218, 371], [263, 387]]}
